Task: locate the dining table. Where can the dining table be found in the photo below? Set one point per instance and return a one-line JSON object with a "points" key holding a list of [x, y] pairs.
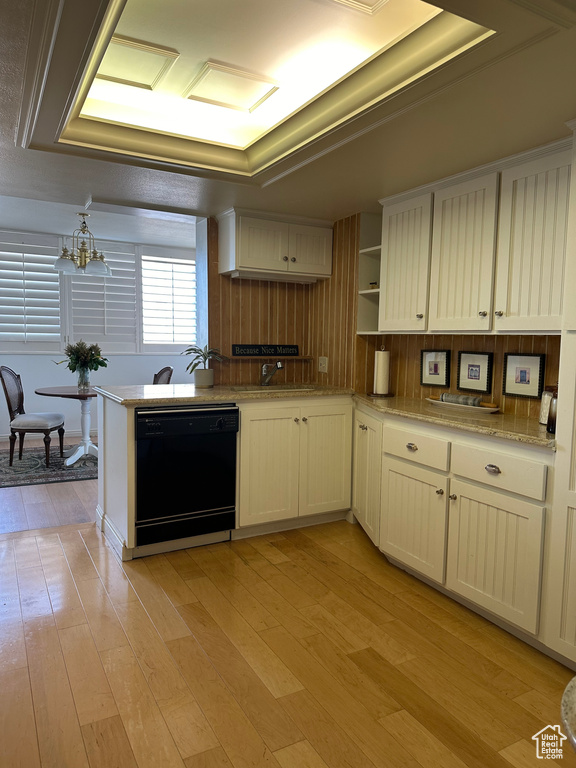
{"points": [[86, 447]]}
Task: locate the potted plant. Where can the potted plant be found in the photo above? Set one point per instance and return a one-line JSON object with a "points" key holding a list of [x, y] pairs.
{"points": [[198, 367], [83, 358]]}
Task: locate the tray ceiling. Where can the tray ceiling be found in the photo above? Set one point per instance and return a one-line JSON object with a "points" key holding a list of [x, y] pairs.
{"points": [[235, 87]]}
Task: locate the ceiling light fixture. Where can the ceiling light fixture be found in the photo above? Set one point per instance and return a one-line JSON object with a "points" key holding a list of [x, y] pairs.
{"points": [[84, 256]]}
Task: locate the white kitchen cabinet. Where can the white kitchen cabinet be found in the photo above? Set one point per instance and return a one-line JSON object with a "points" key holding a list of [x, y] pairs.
{"points": [[413, 524], [531, 255], [495, 546], [404, 265], [294, 461], [262, 248], [368, 290], [462, 261], [366, 473]]}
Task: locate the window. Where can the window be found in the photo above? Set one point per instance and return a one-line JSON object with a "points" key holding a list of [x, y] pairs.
{"points": [[29, 292], [168, 300], [149, 304]]}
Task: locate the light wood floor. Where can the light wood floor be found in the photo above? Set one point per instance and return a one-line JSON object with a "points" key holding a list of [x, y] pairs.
{"points": [[297, 650], [28, 507]]}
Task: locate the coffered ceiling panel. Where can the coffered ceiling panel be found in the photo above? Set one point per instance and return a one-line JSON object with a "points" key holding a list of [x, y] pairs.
{"points": [[230, 87], [135, 63]]}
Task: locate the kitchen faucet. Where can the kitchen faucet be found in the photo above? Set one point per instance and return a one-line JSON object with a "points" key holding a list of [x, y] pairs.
{"points": [[268, 371]]}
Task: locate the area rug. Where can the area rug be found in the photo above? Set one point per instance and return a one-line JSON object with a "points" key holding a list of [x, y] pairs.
{"points": [[32, 469]]}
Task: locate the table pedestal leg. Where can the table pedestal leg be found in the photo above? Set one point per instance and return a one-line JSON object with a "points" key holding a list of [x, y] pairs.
{"points": [[86, 446]]}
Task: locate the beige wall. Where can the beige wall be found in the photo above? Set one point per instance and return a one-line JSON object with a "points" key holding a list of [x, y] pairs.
{"points": [[321, 319]]}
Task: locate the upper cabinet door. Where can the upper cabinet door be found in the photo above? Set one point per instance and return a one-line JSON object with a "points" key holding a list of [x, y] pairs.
{"points": [[263, 244], [532, 245], [310, 250], [462, 263], [404, 266]]}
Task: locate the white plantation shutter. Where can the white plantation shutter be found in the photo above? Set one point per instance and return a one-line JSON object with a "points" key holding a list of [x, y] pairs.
{"points": [[168, 299], [104, 310], [30, 292]]}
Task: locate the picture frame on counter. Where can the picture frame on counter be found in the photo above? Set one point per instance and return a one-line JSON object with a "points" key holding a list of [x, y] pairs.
{"points": [[523, 375], [475, 372], [435, 367]]}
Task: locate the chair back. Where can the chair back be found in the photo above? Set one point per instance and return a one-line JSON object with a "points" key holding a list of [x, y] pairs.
{"points": [[12, 385], [163, 376]]}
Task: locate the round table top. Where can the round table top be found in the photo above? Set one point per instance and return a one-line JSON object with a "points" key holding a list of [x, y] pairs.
{"points": [[71, 392]]}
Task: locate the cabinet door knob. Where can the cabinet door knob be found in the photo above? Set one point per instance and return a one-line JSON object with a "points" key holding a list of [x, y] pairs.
{"points": [[412, 447], [293, 258], [440, 491], [284, 258], [453, 497], [483, 313], [296, 420], [419, 316], [498, 313], [493, 469], [363, 426], [304, 419]]}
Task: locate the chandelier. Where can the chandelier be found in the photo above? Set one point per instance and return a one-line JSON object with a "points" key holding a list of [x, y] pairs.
{"points": [[84, 257]]}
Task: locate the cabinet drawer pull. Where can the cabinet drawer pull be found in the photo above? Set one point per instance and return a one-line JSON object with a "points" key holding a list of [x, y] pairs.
{"points": [[483, 313], [304, 419], [440, 491], [419, 316], [284, 258], [493, 469], [293, 258], [453, 497], [412, 447], [499, 313], [296, 419]]}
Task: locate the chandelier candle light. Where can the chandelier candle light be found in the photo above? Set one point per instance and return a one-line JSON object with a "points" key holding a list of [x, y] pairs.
{"points": [[84, 257]]}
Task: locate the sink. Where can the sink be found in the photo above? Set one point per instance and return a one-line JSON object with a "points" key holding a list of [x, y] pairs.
{"points": [[272, 388]]}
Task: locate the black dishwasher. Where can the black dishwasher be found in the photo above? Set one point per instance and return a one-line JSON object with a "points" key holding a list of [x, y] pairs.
{"points": [[185, 471]]}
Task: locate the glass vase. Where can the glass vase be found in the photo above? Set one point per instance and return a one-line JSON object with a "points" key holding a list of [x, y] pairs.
{"points": [[83, 379]]}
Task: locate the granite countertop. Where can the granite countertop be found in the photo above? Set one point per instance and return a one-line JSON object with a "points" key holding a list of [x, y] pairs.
{"points": [[568, 711], [134, 395], [502, 425], [507, 426]]}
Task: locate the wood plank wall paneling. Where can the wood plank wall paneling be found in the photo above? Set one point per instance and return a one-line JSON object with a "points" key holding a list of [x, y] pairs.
{"points": [[321, 319], [255, 312]]}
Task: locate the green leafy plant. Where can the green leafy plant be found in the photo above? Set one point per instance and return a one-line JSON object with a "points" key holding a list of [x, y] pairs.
{"points": [[201, 357], [82, 355]]}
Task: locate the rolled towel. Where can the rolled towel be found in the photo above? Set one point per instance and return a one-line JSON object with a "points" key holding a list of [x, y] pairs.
{"points": [[461, 399]]}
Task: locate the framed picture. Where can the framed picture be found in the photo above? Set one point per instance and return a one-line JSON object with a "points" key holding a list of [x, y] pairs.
{"points": [[475, 371], [523, 375], [435, 367]]}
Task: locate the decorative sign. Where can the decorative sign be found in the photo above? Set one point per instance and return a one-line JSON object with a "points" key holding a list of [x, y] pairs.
{"points": [[264, 350]]}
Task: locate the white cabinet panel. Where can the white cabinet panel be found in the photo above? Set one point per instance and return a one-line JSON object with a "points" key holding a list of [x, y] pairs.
{"points": [[413, 524], [532, 245], [495, 552], [325, 458], [404, 265], [294, 461], [269, 465], [462, 262], [366, 474], [310, 250], [500, 470], [410, 444], [264, 244]]}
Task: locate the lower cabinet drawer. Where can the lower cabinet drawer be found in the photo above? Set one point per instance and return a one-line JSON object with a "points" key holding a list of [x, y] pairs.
{"points": [[430, 451], [500, 470]]}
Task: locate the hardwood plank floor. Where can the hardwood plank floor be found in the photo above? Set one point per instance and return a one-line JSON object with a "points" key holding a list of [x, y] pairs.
{"points": [[305, 649]]}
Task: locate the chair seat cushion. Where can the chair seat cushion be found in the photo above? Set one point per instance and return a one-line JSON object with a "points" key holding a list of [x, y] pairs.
{"points": [[37, 421]]}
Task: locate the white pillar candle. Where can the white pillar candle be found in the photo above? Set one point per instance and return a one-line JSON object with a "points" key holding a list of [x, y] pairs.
{"points": [[381, 372]]}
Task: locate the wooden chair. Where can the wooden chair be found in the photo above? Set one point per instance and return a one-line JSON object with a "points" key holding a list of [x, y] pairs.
{"points": [[163, 376], [22, 422]]}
